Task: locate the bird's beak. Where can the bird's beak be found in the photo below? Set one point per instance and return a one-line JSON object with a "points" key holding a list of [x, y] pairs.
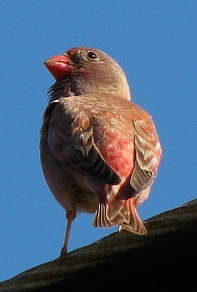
{"points": [[59, 66]]}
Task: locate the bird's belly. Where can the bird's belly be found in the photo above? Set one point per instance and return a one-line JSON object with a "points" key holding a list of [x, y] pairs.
{"points": [[68, 189]]}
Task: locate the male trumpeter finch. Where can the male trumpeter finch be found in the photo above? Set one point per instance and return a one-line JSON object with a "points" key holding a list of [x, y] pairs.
{"points": [[99, 151]]}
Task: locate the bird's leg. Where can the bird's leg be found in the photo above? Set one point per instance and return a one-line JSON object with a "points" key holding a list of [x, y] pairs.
{"points": [[70, 217]]}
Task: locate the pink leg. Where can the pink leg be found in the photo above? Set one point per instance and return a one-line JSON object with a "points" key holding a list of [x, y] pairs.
{"points": [[70, 217]]}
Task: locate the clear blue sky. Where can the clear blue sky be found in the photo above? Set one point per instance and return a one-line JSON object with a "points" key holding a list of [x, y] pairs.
{"points": [[155, 43]]}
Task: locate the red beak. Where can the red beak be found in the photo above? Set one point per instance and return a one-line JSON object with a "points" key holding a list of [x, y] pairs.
{"points": [[59, 66]]}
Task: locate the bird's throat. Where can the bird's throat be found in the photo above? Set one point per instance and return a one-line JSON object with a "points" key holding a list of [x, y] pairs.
{"points": [[65, 87]]}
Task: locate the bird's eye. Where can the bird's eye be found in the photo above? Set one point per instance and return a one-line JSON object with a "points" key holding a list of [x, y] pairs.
{"points": [[92, 56]]}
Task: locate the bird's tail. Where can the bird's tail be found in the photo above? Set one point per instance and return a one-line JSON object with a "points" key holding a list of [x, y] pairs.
{"points": [[121, 212]]}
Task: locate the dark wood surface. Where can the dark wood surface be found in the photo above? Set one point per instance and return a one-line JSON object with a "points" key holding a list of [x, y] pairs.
{"points": [[164, 260]]}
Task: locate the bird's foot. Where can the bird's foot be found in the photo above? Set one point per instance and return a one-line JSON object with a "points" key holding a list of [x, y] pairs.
{"points": [[63, 252]]}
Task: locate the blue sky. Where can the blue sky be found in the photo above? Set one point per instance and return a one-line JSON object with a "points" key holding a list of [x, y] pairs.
{"points": [[155, 43]]}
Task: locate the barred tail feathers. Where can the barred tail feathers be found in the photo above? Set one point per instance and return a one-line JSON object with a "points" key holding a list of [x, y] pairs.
{"points": [[119, 212]]}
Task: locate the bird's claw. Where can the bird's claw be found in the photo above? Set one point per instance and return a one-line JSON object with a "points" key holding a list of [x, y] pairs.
{"points": [[63, 252]]}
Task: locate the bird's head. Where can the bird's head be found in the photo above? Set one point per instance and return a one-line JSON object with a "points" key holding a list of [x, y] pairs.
{"points": [[89, 71]]}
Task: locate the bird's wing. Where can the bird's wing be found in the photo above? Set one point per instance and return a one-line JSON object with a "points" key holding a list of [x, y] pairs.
{"points": [[121, 209], [147, 152], [71, 141]]}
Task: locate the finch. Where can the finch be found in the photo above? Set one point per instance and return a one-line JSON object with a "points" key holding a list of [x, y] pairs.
{"points": [[99, 151]]}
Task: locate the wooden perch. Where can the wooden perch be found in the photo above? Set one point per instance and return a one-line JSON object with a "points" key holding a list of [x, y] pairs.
{"points": [[163, 260]]}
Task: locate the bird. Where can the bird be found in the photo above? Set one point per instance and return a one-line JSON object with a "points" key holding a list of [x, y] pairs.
{"points": [[99, 151]]}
